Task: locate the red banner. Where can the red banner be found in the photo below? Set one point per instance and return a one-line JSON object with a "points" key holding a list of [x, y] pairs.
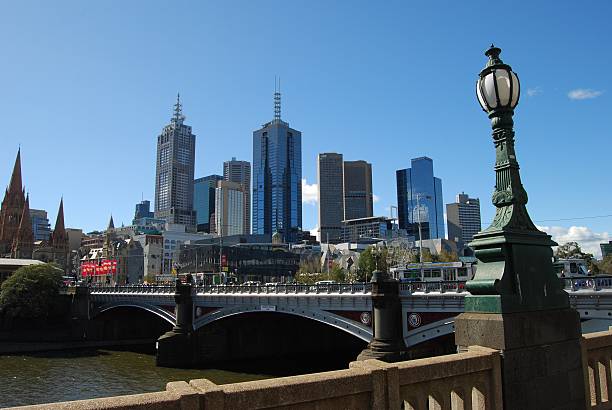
{"points": [[97, 268]]}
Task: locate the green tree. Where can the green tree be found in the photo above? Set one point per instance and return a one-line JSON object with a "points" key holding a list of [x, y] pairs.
{"points": [[446, 256], [605, 266], [31, 291], [367, 262]]}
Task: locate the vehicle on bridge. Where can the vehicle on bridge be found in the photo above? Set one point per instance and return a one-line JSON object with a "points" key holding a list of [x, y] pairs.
{"points": [[565, 268], [434, 272]]}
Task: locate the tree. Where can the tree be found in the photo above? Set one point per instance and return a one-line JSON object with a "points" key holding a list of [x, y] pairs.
{"points": [[605, 266], [31, 291], [367, 263], [446, 256]]}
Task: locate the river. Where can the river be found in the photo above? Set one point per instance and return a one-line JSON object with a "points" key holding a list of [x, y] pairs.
{"points": [[88, 373]]}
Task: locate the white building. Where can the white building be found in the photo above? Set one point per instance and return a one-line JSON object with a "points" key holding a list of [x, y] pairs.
{"points": [[229, 208]]}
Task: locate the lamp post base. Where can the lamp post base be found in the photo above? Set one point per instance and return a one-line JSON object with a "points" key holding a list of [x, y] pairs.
{"points": [[541, 355], [382, 350]]}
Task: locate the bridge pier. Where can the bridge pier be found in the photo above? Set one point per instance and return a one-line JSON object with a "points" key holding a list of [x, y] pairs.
{"points": [[176, 347], [387, 344]]}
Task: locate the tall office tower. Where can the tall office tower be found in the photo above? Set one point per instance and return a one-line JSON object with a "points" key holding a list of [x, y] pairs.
{"points": [[174, 173], [143, 210], [41, 228], [463, 220], [277, 178], [331, 196], [204, 201], [229, 208], [419, 199], [358, 198], [240, 172]]}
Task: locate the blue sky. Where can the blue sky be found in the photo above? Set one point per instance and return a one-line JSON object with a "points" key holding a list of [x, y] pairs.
{"points": [[85, 88]]}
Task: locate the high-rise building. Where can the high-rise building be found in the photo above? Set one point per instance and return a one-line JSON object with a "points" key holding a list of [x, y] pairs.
{"points": [[143, 210], [277, 178], [330, 183], [419, 200], [174, 171], [606, 249], [41, 228], [358, 198], [229, 209], [240, 172], [463, 220], [204, 200]]}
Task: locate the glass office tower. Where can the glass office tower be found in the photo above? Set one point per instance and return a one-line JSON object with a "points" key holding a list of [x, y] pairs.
{"points": [[204, 200], [419, 180], [277, 178]]}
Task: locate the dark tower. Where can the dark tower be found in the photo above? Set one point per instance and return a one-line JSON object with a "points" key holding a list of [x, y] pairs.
{"points": [[12, 209], [23, 244], [59, 239]]}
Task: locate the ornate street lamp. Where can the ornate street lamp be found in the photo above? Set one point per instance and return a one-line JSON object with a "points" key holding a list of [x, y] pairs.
{"points": [[515, 271]]}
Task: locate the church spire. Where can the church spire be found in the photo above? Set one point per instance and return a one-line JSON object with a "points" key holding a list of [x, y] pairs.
{"points": [[15, 184], [111, 224], [59, 221]]}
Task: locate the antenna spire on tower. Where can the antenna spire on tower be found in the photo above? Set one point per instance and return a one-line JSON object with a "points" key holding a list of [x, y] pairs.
{"points": [[277, 99], [178, 110]]}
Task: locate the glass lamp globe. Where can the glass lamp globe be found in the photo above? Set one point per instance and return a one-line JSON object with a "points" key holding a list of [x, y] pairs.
{"points": [[498, 87]]}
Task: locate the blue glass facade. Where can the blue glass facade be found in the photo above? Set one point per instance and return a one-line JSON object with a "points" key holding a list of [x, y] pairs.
{"points": [[277, 180], [419, 180], [204, 200]]}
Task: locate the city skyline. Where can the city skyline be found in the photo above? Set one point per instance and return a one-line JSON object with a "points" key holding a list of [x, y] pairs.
{"points": [[320, 105]]}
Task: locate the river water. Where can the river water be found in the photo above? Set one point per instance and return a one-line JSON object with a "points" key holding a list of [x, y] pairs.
{"points": [[88, 373]]}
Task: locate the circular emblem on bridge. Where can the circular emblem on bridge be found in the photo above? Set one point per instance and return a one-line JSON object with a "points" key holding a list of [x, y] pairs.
{"points": [[414, 319], [366, 318]]}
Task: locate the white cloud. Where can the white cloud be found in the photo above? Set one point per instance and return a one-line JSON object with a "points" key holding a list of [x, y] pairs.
{"points": [[375, 198], [532, 92], [589, 241], [583, 94], [309, 193]]}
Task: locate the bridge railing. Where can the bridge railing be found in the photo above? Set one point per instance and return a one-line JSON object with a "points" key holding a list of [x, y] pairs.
{"points": [[596, 356], [602, 282], [287, 288], [165, 289], [447, 286]]}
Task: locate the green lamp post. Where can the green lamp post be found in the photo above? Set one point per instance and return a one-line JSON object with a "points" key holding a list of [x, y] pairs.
{"points": [[515, 271]]}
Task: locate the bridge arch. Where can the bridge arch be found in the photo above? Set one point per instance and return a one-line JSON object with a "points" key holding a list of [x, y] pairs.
{"points": [[156, 310], [351, 327], [429, 331]]}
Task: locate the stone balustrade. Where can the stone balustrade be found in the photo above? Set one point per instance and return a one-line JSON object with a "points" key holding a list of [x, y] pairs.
{"points": [[466, 380], [597, 353]]}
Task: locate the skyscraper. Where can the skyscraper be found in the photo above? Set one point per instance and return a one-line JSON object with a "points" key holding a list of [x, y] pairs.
{"points": [[41, 229], [229, 208], [358, 198], [330, 181], [277, 178], [174, 171], [463, 220], [204, 200], [419, 199], [240, 172], [143, 210]]}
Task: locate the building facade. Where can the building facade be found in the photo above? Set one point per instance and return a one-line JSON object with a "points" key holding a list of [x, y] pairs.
{"points": [[463, 220], [240, 172], [174, 171], [377, 227], [277, 178], [330, 181], [229, 209], [419, 200], [606, 249], [41, 228], [358, 197], [204, 200], [143, 210]]}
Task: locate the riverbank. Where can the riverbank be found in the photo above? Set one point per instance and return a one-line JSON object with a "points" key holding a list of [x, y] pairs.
{"points": [[7, 348]]}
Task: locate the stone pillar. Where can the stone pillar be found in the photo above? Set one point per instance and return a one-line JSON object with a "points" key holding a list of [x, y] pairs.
{"points": [[79, 308], [387, 344], [176, 347]]}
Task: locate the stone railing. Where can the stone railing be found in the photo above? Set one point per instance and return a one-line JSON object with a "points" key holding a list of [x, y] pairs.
{"points": [[464, 381], [596, 356], [291, 288], [446, 286]]}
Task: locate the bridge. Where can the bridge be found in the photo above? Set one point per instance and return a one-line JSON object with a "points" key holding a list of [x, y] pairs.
{"points": [[428, 308]]}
